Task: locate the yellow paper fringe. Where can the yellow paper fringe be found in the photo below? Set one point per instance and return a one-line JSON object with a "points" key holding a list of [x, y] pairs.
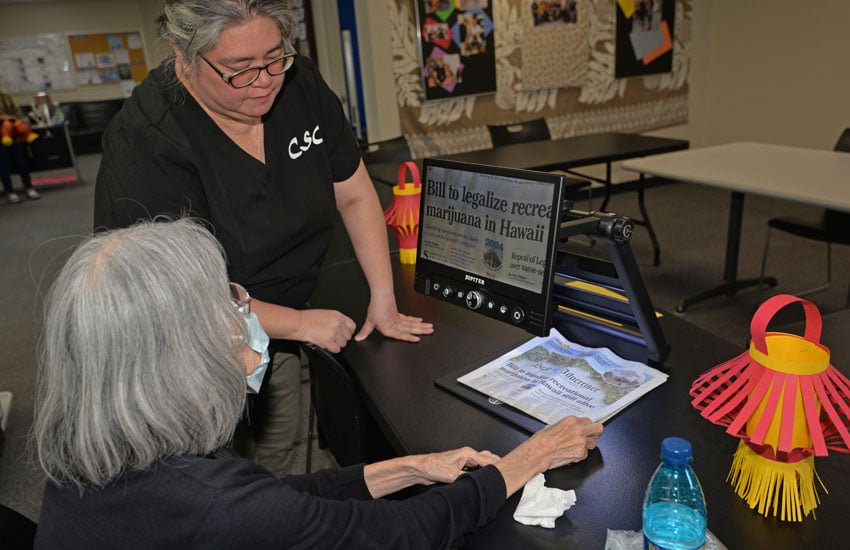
{"points": [[769, 484], [407, 255]]}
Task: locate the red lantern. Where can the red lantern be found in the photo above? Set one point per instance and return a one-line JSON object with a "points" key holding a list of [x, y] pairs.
{"points": [[403, 214], [787, 404]]}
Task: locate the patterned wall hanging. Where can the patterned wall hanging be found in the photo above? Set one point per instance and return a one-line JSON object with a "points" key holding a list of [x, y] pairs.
{"points": [[602, 103], [555, 46]]}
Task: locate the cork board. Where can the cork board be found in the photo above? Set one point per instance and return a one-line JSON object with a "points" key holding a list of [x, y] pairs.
{"points": [[108, 58]]}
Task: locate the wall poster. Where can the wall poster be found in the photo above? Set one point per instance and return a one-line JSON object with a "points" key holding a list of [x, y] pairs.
{"points": [[644, 37], [457, 50]]}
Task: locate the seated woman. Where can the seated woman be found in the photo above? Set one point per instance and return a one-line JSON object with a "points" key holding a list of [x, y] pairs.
{"points": [[145, 357]]}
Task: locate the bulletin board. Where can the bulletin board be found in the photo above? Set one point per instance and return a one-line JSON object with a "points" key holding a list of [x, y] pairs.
{"points": [[108, 58], [32, 63]]}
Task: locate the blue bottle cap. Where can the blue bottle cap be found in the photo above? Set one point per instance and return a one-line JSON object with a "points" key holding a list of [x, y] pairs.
{"points": [[676, 451]]}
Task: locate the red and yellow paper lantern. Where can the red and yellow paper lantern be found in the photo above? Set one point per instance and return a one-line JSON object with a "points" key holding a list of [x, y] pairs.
{"points": [[403, 214], [787, 404]]}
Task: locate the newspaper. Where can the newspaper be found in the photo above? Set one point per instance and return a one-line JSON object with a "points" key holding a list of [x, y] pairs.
{"points": [[550, 377]]}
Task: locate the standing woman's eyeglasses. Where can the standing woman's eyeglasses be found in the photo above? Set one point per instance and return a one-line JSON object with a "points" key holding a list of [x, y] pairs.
{"points": [[246, 77]]}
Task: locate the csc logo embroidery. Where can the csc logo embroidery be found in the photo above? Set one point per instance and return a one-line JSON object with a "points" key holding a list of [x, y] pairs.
{"points": [[296, 149]]}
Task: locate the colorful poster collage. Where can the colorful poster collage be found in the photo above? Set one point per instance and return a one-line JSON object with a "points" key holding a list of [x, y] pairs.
{"points": [[458, 53], [644, 37]]}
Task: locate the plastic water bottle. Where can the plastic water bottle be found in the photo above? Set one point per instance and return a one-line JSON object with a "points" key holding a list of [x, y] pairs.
{"points": [[674, 516]]}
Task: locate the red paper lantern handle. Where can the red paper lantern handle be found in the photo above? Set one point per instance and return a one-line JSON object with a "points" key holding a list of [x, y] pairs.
{"points": [[770, 307], [414, 174]]}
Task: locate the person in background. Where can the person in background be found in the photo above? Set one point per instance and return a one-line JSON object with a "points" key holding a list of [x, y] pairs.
{"points": [[15, 154], [238, 130], [145, 354]]}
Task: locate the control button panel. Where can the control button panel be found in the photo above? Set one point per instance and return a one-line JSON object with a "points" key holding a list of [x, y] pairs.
{"points": [[479, 299]]}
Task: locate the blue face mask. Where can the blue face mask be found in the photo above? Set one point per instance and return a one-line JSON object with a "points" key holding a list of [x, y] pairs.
{"points": [[257, 340]]}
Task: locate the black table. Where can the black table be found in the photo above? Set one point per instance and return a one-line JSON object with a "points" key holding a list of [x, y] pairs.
{"points": [[564, 154], [398, 382]]}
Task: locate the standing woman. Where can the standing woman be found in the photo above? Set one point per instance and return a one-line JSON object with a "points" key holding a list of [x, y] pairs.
{"points": [[235, 128]]}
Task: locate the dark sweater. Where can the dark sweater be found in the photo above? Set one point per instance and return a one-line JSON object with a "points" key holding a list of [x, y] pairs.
{"points": [[209, 502]]}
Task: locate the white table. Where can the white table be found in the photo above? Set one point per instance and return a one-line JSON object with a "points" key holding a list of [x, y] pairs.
{"points": [[810, 176]]}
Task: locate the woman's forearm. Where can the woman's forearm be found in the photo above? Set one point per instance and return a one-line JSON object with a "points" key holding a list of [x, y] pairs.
{"points": [[565, 442], [363, 218], [388, 476], [519, 466]]}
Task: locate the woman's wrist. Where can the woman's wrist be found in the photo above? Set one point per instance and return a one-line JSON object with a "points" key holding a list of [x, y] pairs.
{"points": [[389, 476], [520, 465], [384, 295]]}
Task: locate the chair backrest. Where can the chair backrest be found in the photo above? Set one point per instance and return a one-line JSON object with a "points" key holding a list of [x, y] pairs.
{"points": [[843, 143], [345, 424], [391, 150], [839, 219], [529, 130], [18, 531]]}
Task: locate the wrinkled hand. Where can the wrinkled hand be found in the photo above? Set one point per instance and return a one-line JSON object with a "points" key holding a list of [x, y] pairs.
{"points": [[392, 324], [567, 441], [445, 467], [563, 443], [327, 328]]}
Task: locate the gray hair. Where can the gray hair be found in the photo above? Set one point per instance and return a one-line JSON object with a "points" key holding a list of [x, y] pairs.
{"points": [[195, 26], [138, 360]]}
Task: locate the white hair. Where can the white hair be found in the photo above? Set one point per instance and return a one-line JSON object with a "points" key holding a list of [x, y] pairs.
{"points": [[138, 360], [195, 26]]}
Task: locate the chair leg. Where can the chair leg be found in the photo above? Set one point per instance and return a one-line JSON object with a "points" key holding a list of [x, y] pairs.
{"points": [[310, 421], [824, 286], [764, 257], [847, 301], [828, 264]]}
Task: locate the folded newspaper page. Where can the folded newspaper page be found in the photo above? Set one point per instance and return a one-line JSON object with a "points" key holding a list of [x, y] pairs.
{"points": [[550, 377]]}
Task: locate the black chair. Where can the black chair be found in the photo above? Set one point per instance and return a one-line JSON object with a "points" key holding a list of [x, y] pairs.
{"points": [[345, 426], [391, 150], [530, 130], [827, 226], [16, 530]]}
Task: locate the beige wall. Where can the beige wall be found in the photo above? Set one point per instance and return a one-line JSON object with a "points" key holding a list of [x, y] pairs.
{"points": [[31, 18], [373, 23], [776, 72]]}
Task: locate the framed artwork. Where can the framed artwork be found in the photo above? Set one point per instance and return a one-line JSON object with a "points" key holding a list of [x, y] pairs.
{"points": [[456, 46]]}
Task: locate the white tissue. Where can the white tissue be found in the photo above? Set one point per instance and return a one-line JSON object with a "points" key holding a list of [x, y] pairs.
{"points": [[542, 505]]}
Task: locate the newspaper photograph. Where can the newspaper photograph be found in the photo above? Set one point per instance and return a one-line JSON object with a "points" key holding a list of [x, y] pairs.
{"points": [[550, 377]]}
